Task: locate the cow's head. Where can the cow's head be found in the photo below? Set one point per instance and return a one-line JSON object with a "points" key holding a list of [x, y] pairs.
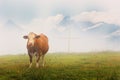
{"points": [[31, 38]]}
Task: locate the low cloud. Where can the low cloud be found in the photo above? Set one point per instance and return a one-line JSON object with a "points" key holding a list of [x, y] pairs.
{"points": [[70, 36], [92, 27], [98, 17], [62, 38], [44, 25]]}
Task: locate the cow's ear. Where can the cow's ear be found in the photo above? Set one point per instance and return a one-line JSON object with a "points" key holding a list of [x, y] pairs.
{"points": [[25, 37], [38, 36]]}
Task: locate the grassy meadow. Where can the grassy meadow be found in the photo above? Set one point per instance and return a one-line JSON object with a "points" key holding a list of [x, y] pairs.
{"points": [[59, 66]]}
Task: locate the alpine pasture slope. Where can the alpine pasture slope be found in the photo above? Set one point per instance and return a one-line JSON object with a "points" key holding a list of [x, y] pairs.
{"points": [[59, 66]]}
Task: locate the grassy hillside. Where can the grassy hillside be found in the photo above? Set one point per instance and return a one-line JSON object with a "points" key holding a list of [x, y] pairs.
{"points": [[90, 66]]}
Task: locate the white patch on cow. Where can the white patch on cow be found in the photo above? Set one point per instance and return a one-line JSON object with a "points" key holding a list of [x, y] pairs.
{"points": [[31, 37]]}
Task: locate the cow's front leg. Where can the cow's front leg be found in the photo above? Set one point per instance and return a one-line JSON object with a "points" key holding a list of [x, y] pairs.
{"points": [[37, 60], [30, 56]]}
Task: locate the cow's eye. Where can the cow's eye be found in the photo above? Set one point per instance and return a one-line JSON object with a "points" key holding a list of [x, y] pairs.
{"points": [[37, 36]]}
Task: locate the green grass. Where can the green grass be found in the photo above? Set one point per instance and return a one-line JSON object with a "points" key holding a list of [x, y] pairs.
{"points": [[88, 66]]}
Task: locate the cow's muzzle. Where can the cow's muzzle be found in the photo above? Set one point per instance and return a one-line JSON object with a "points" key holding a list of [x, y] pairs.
{"points": [[30, 44]]}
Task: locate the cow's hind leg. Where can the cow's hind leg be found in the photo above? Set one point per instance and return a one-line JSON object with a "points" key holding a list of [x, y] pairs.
{"points": [[43, 63]]}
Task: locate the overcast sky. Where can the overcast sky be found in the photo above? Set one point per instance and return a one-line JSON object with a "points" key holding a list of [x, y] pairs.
{"points": [[71, 25]]}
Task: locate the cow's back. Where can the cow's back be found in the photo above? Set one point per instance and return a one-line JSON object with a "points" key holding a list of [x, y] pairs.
{"points": [[41, 44]]}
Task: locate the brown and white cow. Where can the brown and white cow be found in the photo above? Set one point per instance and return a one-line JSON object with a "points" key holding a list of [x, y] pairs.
{"points": [[38, 45]]}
